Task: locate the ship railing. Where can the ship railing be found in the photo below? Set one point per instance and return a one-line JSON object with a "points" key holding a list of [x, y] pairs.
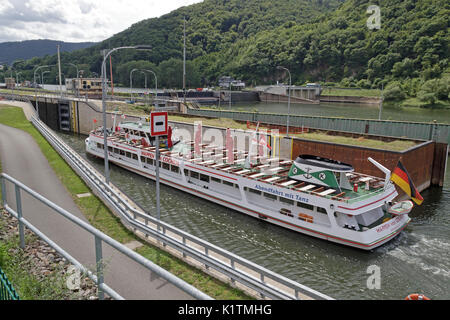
{"points": [[219, 262]]}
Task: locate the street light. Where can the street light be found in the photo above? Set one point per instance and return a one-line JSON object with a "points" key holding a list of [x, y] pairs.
{"points": [[131, 83], [76, 92], [289, 98], [35, 87], [105, 140], [156, 84], [42, 77]]}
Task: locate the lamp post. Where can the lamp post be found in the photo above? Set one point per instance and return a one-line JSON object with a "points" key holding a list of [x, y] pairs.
{"points": [[381, 102], [131, 82], [156, 84], [289, 98], [105, 140], [74, 65], [35, 87], [42, 77], [229, 102]]}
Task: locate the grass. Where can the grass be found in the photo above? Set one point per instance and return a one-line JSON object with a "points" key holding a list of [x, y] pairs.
{"points": [[396, 145], [96, 212], [351, 92], [19, 270], [101, 218]]}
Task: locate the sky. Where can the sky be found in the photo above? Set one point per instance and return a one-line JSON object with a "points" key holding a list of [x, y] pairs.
{"points": [[77, 20]]}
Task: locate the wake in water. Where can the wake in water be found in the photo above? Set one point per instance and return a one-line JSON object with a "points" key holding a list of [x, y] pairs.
{"points": [[422, 252]]}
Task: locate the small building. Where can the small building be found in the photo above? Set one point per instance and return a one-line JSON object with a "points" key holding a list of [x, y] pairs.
{"points": [[92, 87], [227, 81], [10, 83]]}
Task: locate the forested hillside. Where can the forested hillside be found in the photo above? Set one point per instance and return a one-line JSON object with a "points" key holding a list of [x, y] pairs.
{"points": [[15, 50], [325, 41]]}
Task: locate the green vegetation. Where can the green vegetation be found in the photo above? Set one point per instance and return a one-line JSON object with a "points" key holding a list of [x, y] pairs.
{"points": [[101, 218], [330, 91], [212, 26], [19, 269], [14, 50], [324, 41], [208, 284], [97, 213]]}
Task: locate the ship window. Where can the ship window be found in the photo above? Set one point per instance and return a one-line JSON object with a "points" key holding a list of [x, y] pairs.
{"points": [[150, 161], [116, 150], [227, 183], [215, 180], [194, 174], [128, 154], [135, 157], [166, 166], [236, 186], [110, 149], [306, 206], [174, 169], [270, 196], [186, 172], [122, 152], [321, 210], [255, 191], [287, 201], [204, 178]]}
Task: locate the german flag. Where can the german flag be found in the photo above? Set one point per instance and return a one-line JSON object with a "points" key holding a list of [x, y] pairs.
{"points": [[401, 178]]}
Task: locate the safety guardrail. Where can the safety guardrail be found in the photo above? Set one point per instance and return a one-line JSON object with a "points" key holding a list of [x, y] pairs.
{"points": [[99, 238], [263, 281]]}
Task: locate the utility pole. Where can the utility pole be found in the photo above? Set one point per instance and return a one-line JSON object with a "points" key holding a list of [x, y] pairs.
{"points": [[381, 102], [59, 71]]}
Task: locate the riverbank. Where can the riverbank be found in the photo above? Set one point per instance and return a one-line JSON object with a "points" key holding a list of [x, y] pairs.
{"points": [[100, 217]]}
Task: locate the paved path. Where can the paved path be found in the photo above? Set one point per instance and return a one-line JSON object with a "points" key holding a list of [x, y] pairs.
{"points": [[22, 159]]}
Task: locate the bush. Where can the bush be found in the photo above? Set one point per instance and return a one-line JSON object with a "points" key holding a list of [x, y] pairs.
{"points": [[394, 92], [364, 84], [433, 90]]}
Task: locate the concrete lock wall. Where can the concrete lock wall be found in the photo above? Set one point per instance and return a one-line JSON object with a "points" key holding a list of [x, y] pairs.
{"points": [[418, 160]]}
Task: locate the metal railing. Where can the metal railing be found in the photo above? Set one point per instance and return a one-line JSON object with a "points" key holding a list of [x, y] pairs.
{"points": [[439, 132], [99, 238], [7, 291], [265, 282]]}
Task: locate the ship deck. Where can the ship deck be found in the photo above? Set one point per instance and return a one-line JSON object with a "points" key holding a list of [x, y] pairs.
{"points": [[264, 169]]}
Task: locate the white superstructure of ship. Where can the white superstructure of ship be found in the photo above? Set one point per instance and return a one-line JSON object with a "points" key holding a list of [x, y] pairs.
{"points": [[311, 195]]}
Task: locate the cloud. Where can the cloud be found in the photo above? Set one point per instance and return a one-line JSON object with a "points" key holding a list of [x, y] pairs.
{"points": [[5, 5], [76, 20]]}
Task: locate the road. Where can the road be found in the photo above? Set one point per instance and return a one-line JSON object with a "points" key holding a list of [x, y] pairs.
{"points": [[22, 159]]}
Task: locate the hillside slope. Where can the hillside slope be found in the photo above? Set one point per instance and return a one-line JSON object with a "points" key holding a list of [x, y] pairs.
{"points": [[15, 50]]}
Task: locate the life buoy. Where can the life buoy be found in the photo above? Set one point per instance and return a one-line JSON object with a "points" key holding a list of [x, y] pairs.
{"points": [[417, 296]]}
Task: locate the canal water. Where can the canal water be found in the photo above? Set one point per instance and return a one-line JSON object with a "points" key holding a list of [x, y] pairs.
{"points": [[417, 260]]}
